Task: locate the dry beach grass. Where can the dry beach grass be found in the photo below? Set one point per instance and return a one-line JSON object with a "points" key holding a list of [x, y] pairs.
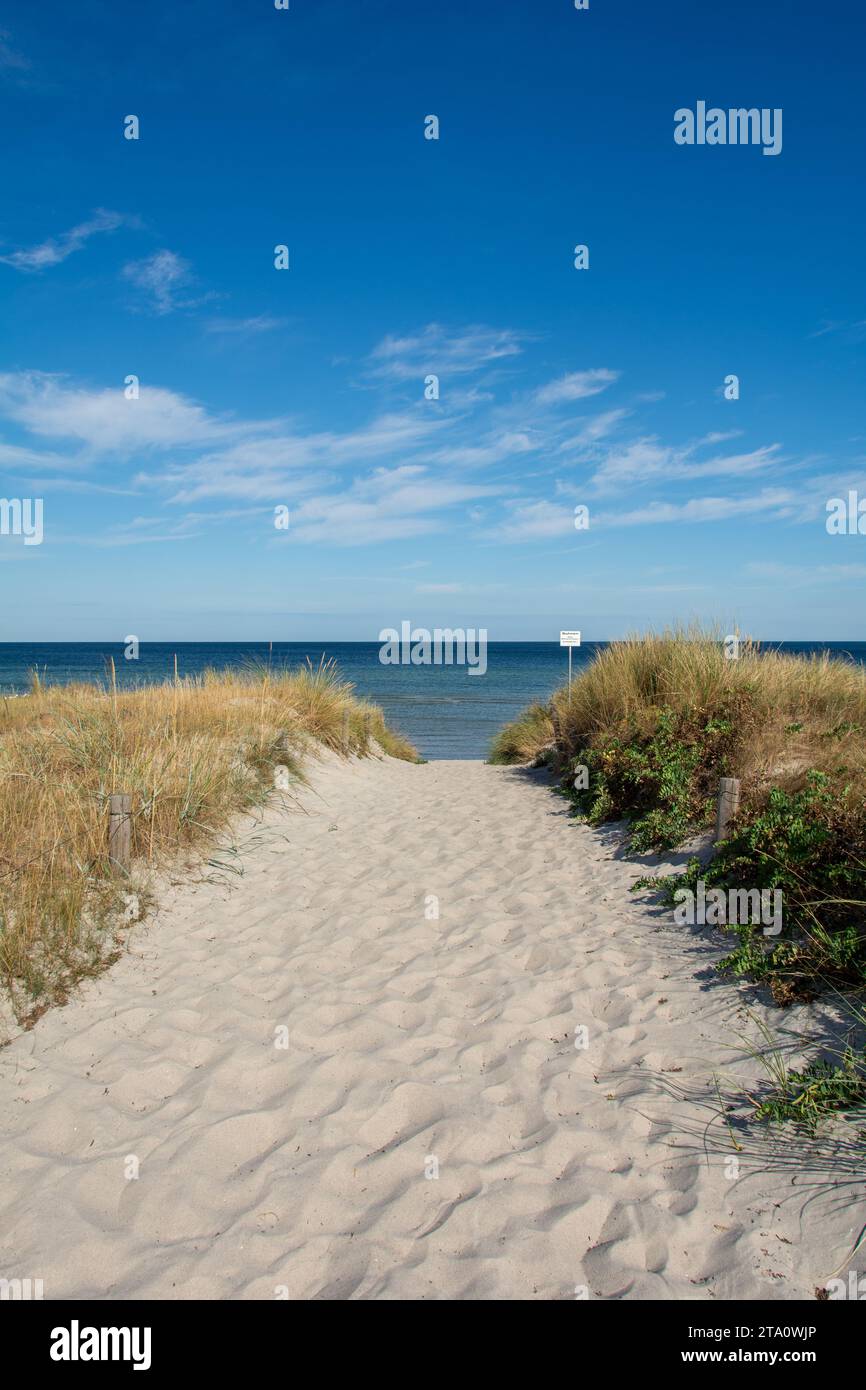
{"points": [[192, 753], [793, 712]]}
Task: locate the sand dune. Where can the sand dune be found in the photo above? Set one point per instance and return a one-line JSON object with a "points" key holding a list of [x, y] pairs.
{"points": [[412, 1040]]}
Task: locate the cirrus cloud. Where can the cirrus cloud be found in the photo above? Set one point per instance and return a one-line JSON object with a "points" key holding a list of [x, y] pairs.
{"points": [[57, 249]]}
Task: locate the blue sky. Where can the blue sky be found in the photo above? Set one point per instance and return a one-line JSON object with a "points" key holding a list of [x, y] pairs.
{"points": [[305, 387]]}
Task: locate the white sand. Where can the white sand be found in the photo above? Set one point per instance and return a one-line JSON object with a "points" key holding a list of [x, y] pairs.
{"points": [[303, 1168]]}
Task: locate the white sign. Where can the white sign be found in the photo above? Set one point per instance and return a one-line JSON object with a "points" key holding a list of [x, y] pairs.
{"points": [[569, 639]]}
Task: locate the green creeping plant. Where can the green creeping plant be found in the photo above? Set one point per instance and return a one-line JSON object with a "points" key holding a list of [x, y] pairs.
{"points": [[812, 846]]}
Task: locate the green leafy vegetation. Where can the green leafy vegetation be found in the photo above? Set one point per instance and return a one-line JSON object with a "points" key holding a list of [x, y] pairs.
{"points": [[823, 1087], [661, 780], [811, 844]]}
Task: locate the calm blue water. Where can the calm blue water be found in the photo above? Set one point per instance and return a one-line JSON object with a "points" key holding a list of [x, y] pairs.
{"points": [[444, 711]]}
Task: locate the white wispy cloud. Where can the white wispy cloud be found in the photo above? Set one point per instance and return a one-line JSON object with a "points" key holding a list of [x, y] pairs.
{"points": [[543, 519], [576, 386], [267, 466], [113, 539], [850, 328], [497, 448], [244, 328], [595, 428], [104, 420], [535, 521], [502, 471], [15, 457], [439, 351], [801, 575], [198, 456], [649, 461], [163, 281], [56, 249], [781, 501], [11, 60], [391, 504]]}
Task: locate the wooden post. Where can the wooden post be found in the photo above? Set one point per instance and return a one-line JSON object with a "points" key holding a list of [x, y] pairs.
{"points": [[119, 832], [557, 729], [728, 805], [346, 732], [368, 729]]}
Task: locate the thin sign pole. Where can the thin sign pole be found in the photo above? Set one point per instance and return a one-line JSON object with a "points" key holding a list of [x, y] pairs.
{"points": [[569, 639]]}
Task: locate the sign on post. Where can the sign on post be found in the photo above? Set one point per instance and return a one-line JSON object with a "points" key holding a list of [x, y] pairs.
{"points": [[569, 639]]}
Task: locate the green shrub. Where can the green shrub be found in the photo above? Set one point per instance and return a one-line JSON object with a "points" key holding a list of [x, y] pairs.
{"points": [[811, 844], [661, 781], [824, 1087]]}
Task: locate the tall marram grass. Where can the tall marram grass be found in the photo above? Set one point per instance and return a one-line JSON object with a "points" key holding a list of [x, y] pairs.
{"points": [[790, 713], [193, 754], [525, 738], [648, 729]]}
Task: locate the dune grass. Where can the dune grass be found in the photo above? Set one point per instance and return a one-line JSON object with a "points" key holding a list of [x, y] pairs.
{"points": [[192, 753], [651, 725], [525, 738]]}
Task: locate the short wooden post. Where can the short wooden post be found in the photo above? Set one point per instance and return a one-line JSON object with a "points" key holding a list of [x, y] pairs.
{"points": [[728, 805], [368, 728], [119, 832], [346, 732]]}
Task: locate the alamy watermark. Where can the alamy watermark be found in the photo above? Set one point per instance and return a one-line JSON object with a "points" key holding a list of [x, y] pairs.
{"points": [[846, 516], [22, 516], [444, 646], [855, 1288], [77, 1343], [737, 126], [714, 907], [21, 1290]]}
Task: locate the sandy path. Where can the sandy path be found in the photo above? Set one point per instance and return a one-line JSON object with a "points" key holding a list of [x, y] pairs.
{"points": [[410, 1039]]}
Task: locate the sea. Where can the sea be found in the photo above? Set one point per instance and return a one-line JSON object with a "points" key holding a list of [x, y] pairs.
{"points": [[443, 710]]}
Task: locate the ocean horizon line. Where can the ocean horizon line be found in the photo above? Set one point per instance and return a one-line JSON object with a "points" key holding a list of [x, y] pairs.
{"points": [[374, 642]]}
